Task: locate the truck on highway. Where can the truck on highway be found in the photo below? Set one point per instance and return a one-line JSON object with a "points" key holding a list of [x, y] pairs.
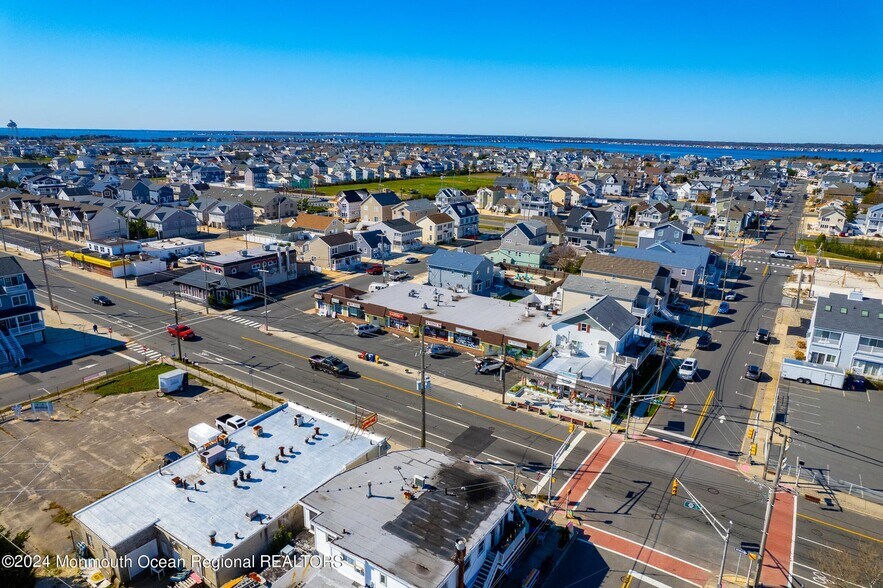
{"points": [[329, 364], [813, 373], [227, 423]]}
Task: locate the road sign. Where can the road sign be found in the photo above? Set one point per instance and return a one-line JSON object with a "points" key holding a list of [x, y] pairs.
{"points": [[742, 551], [693, 505]]}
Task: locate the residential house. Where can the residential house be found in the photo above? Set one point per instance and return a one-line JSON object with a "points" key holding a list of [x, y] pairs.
{"points": [[393, 546], [874, 220], [523, 243], [650, 215], [672, 231], [734, 220], [465, 217], [832, 220], [488, 198], [687, 264], [171, 222], [658, 194], [373, 244], [403, 235], [565, 196], [78, 194], [512, 182], [21, 320], [457, 270], [317, 224], [335, 252], [256, 177], [620, 211], [650, 275], [415, 209], [230, 215], [379, 207], [535, 203], [437, 229], [447, 196], [555, 229], [846, 331], [134, 190], [590, 228], [580, 291], [349, 204], [42, 185]]}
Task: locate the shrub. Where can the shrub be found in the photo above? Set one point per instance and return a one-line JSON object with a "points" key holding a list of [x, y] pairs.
{"points": [[801, 344], [799, 355]]}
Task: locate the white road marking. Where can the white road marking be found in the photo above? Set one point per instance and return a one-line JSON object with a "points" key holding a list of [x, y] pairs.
{"points": [[132, 359], [348, 386], [86, 367], [820, 544], [545, 479]]}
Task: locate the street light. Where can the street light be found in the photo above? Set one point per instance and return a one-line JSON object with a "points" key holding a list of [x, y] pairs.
{"points": [[126, 259], [264, 273]]}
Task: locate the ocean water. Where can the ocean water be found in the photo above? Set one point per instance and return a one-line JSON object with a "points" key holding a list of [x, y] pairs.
{"points": [[190, 139]]}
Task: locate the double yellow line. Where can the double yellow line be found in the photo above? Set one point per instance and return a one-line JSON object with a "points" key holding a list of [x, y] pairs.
{"points": [[413, 393], [702, 414]]}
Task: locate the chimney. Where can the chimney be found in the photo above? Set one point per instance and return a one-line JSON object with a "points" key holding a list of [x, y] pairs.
{"points": [[369, 489], [316, 433], [264, 466], [248, 474], [460, 558], [236, 482], [241, 474], [298, 420], [258, 430], [211, 537], [281, 451]]}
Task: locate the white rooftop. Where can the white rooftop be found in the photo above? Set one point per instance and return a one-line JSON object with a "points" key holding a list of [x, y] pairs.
{"points": [[594, 370], [467, 310], [212, 503], [171, 243]]}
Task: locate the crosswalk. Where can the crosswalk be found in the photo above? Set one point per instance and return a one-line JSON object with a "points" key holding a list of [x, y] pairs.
{"points": [[147, 352], [242, 321]]}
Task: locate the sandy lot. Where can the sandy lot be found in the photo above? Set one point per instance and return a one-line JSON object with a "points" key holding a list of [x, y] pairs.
{"points": [[92, 446]]}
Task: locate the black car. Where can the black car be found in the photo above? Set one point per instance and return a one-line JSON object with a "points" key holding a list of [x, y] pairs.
{"points": [[170, 457], [102, 300], [663, 328], [762, 336], [704, 341], [752, 372]]}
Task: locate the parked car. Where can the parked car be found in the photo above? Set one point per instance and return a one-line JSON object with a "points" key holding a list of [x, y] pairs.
{"points": [[488, 365], [679, 307], [102, 300], [688, 369], [752, 372], [663, 328], [730, 296], [399, 275], [704, 341], [188, 259], [180, 331], [170, 457], [440, 350], [412, 260], [762, 336], [724, 308], [782, 254], [329, 364], [212, 253], [375, 269], [366, 330]]}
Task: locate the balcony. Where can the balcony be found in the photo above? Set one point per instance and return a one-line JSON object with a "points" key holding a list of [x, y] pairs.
{"points": [[636, 352], [825, 342], [25, 329], [16, 289], [512, 540], [869, 350], [641, 312]]}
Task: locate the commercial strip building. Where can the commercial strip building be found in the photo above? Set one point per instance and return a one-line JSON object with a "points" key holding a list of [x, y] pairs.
{"points": [[226, 501], [476, 323], [396, 522]]}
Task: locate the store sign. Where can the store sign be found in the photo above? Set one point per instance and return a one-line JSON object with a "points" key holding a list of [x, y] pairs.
{"points": [[433, 324], [517, 344], [354, 304], [396, 315], [317, 296], [464, 331], [335, 300]]}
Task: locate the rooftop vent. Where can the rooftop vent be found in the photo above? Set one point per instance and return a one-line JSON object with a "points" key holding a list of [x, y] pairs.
{"points": [[316, 433], [251, 515], [419, 482], [212, 537], [856, 295], [257, 430], [298, 420]]}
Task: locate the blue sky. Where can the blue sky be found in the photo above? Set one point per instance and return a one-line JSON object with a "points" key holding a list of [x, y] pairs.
{"points": [[747, 71]]}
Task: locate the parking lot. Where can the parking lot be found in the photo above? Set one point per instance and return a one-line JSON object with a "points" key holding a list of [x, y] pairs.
{"points": [[50, 468], [837, 431]]}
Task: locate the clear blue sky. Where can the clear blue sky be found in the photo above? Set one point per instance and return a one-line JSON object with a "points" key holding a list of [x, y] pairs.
{"points": [[748, 71]]}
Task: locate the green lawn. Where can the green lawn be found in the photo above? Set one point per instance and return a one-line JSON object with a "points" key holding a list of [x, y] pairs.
{"points": [[417, 187], [134, 381]]}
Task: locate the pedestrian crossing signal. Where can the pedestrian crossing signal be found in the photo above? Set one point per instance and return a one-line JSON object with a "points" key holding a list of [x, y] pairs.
{"points": [[627, 581], [674, 487], [671, 401], [751, 432], [754, 449]]}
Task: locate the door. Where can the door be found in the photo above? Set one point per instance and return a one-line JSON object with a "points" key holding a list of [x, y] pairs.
{"points": [[145, 552]]}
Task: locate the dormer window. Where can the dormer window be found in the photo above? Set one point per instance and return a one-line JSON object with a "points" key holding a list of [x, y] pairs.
{"points": [[584, 327]]}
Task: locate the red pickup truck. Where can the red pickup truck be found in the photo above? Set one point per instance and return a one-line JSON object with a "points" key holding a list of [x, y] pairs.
{"points": [[180, 331]]}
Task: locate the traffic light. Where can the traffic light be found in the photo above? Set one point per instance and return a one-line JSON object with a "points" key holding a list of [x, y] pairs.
{"points": [[671, 401], [674, 487], [754, 449], [570, 428], [627, 581], [751, 432]]}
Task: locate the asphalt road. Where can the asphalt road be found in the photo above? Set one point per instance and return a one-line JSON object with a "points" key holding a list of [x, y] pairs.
{"points": [[456, 422]]}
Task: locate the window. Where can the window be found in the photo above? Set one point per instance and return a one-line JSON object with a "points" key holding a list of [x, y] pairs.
{"points": [[348, 559], [20, 300], [826, 337], [865, 313], [584, 327], [233, 271], [383, 579], [870, 345], [828, 308], [683, 272], [843, 310]]}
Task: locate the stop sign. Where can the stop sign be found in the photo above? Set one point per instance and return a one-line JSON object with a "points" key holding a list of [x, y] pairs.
{"points": [[110, 329]]}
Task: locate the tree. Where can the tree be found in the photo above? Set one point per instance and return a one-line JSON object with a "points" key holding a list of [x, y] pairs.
{"points": [[565, 258], [15, 576], [791, 172], [863, 567], [193, 198], [138, 229], [703, 198], [850, 210]]}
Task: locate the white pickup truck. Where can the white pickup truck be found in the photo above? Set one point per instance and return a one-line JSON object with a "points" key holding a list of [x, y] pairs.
{"points": [[782, 254], [227, 423]]}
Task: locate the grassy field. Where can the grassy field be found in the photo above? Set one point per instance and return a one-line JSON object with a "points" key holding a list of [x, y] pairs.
{"points": [[417, 187], [134, 381]]}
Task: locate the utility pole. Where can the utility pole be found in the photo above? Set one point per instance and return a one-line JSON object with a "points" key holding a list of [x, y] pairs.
{"points": [[263, 273], [45, 273], [662, 363], [422, 385], [503, 375], [771, 501], [3, 234], [175, 307], [205, 282], [723, 532]]}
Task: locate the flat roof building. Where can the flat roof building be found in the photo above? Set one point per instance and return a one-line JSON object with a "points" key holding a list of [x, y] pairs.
{"points": [[227, 500], [396, 521]]}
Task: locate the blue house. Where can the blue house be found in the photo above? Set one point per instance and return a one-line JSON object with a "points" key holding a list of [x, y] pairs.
{"points": [[21, 320], [687, 264], [457, 270]]}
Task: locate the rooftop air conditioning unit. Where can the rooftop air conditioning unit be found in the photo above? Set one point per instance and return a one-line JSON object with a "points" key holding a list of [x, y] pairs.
{"points": [[251, 515]]}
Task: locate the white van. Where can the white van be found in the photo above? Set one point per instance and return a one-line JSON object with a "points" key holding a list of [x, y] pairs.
{"points": [[375, 286]]}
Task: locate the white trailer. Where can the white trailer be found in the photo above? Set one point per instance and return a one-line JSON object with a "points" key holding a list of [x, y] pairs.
{"points": [[813, 373], [200, 434]]}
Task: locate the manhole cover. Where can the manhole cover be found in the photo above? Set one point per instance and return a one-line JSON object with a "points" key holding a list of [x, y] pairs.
{"points": [[657, 516], [714, 491]]}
